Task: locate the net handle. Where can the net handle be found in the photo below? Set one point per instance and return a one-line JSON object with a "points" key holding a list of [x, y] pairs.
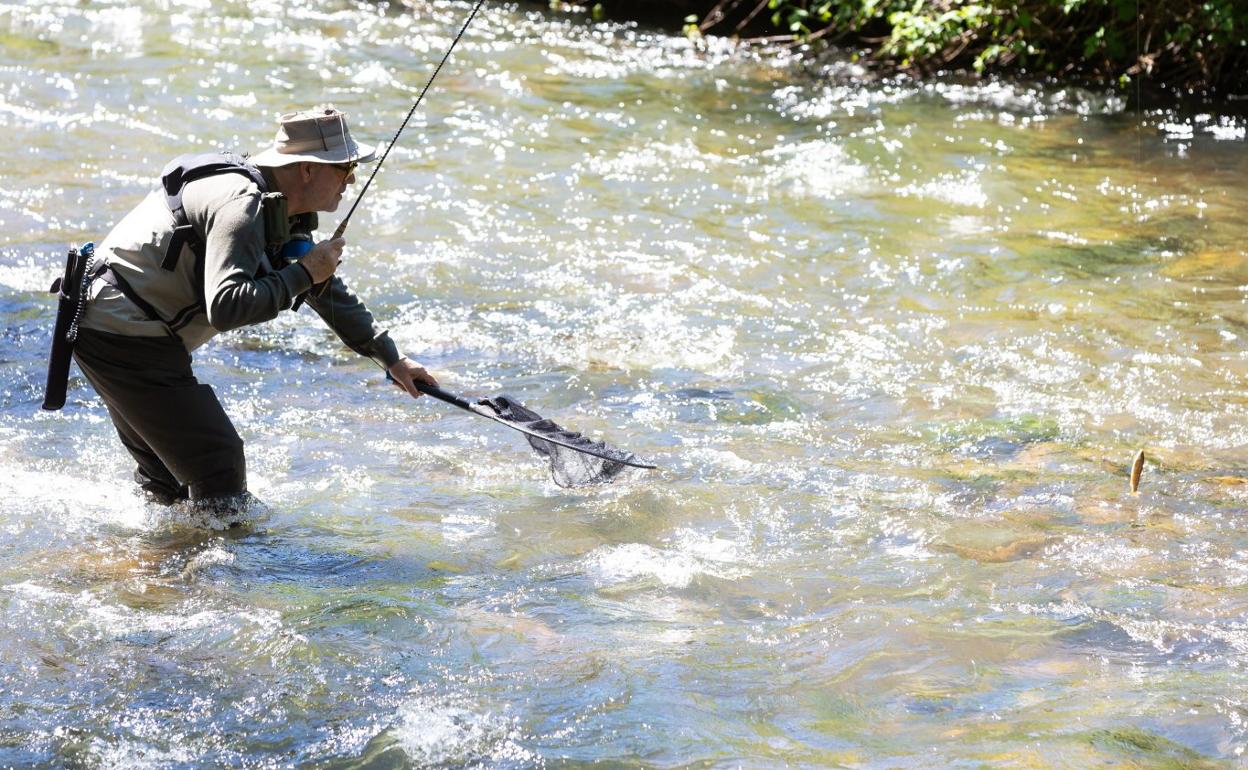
{"points": [[456, 401], [438, 393]]}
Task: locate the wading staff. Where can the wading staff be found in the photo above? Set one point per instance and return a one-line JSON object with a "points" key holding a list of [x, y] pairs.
{"points": [[342, 226]]}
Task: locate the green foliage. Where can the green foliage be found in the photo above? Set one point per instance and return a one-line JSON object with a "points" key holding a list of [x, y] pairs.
{"points": [[1183, 42], [922, 34]]}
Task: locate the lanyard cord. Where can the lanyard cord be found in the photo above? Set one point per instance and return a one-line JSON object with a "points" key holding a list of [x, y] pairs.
{"points": [[342, 227]]}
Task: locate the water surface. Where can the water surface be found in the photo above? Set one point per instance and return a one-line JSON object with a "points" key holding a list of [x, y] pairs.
{"points": [[894, 346]]}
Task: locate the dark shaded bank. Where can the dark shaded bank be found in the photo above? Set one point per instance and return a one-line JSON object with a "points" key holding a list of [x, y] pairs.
{"points": [[1189, 44]]}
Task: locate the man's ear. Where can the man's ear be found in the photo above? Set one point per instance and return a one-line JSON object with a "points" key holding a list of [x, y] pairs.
{"points": [[306, 171]]}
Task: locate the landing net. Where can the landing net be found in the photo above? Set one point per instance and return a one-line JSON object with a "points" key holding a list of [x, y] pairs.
{"points": [[574, 459]]}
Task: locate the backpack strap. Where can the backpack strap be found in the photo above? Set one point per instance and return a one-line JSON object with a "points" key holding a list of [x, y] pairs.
{"points": [[185, 169]]}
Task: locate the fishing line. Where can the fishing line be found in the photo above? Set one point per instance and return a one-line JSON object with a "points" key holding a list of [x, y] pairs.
{"points": [[561, 446], [342, 227], [1139, 95], [1137, 465]]}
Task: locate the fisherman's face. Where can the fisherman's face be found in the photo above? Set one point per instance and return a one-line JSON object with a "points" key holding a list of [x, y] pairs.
{"points": [[327, 183]]}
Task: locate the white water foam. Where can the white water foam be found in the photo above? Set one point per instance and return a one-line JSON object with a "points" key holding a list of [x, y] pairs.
{"points": [[818, 169], [657, 161], [633, 564], [76, 502], [84, 613], [961, 189], [433, 733], [134, 755]]}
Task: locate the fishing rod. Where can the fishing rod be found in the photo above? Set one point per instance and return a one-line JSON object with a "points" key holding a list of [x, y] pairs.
{"points": [[342, 226]]}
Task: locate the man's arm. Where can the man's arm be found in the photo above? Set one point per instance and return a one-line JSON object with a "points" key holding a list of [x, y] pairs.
{"points": [[233, 254]]}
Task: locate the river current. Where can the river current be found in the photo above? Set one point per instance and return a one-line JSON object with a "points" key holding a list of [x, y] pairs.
{"points": [[893, 345]]}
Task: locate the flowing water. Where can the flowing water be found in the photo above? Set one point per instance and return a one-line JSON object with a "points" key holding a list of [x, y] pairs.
{"points": [[893, 345]]}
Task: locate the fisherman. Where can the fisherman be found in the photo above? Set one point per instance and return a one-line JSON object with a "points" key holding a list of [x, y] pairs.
{"points": [[203, 254]]}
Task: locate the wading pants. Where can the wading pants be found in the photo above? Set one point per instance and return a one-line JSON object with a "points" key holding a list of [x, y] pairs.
{"points": [[173, 426]]}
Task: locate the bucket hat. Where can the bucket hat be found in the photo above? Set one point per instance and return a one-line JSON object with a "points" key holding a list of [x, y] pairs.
{"points": [[313, 136]]}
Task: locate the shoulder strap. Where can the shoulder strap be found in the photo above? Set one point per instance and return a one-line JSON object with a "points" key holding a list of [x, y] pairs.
{"points": [[185, 169]]}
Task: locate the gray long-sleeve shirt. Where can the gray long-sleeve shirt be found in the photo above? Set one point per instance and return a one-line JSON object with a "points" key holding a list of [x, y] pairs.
{"points": [[239, 284]]}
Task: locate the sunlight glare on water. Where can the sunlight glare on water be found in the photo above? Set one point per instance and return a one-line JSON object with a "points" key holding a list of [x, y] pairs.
{"points": [[892, 344]]}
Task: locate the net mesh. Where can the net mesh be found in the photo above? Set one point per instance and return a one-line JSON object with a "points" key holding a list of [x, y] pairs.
{"points": [[571, 468]]}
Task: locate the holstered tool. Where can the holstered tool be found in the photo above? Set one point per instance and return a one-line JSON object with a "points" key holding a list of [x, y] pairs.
{"points": [[70, 289]]}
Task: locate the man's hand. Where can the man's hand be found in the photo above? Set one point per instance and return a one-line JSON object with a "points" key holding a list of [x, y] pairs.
{"points": [[323, 259], [405, 371]]}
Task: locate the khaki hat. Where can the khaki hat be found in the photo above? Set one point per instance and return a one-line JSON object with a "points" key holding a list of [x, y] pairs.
{"points": [[313, 136]]}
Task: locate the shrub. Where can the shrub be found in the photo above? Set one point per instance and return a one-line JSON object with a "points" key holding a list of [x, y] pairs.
{"points": [[1178, 42]]}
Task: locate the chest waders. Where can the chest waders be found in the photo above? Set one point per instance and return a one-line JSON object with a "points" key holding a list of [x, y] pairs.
{"points": [[284, 241]]}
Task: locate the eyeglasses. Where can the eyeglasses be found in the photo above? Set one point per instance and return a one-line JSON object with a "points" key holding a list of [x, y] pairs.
{"points": [[345, 168]]}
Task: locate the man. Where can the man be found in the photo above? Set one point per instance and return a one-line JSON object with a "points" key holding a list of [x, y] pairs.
{"points": [[202, 254]]}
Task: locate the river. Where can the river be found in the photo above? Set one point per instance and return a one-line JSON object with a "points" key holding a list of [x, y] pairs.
{"points": [[893, 345]]}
